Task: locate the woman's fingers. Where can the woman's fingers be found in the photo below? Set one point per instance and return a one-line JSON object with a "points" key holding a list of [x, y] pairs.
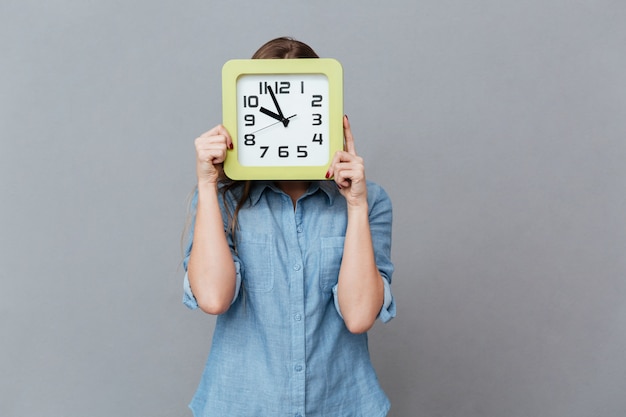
{"points": [[352, 171], [348, 169], [348, 138], [219, 130], [219, 133], [211, 149], [349, 149]]}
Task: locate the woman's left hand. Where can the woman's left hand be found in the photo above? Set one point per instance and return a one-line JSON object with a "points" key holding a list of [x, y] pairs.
{"points": [[348, 170]]}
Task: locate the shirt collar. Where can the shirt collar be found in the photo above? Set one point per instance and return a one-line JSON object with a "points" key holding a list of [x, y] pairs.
{"points": [[328, 187]]}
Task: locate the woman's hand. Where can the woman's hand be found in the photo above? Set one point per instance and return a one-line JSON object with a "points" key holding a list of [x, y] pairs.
{"points": [[211, 149], [348, 170]]}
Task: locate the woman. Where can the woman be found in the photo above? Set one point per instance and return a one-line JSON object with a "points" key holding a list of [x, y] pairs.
{"points": [[297, 272]]}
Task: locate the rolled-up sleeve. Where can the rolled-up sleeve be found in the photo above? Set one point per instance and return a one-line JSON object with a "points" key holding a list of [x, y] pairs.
{"points": [[387, 312], [188, 298], [380, 218]]}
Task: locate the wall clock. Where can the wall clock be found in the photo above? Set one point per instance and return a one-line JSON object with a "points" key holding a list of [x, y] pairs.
{"points": [[285, 117]]}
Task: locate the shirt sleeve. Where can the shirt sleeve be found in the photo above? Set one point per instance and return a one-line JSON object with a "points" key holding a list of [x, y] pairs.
{"points": [[387, 312], [380, 217], [188, 298]]}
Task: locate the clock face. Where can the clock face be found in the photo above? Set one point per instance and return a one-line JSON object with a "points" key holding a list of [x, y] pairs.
{"points": [[285, 117], [282, 120]]}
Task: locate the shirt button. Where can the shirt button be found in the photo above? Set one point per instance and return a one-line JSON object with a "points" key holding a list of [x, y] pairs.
{"points": [[297, 316], [297, 267], [299, 229], [298, 368]]}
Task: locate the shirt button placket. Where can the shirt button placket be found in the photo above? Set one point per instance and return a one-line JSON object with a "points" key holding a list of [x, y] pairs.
{"points": [[296, 305], [298, 340]]}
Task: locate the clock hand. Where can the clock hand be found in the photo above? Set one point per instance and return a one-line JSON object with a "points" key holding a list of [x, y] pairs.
{"points": [[271, 114], [275, 123], [280, 113]]}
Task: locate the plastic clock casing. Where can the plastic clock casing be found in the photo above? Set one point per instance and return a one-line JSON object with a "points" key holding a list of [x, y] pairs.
{"points": [[270, 135]]}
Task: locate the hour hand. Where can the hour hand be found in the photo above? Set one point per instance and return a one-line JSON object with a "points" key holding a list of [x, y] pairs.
{"points": [[283, 120], [271, 114]]}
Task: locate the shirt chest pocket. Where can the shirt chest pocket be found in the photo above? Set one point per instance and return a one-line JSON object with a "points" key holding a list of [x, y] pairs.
{"points": [[330, 261], [256, 253]]}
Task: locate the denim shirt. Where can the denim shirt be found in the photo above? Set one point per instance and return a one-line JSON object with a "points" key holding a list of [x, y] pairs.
{"points": [[282, 348]]}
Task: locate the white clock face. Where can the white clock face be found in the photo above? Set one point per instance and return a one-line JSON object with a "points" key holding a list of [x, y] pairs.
{"points": [[282, 120]]}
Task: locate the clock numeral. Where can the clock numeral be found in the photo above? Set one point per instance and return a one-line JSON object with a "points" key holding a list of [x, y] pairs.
{"points": [[301, 87], [317, 137], [284, 87], [250, 101], [249, 118], [317, 101], [248, 140], [317, 119], [280, 87], [283, 151]]}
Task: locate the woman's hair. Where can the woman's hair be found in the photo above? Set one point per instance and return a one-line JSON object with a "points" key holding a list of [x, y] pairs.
{"points": [[279, 48], [284, 48]]}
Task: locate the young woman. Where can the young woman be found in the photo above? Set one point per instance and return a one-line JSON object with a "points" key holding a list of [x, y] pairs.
{"points": [[297, 272]]}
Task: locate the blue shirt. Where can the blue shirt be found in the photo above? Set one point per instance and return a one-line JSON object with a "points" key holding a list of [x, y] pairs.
{"points": [[282, 348]]}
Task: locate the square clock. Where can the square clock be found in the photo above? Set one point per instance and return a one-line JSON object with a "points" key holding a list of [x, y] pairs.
{"points": [[285, 117]]}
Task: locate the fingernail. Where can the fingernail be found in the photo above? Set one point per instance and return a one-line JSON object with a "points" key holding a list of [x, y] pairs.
{"points": [[230, 146], [347, 117], [328, 174]]}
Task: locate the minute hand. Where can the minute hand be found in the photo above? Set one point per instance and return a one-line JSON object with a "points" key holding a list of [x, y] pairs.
{"points": [[280, 113], [275, 123]]}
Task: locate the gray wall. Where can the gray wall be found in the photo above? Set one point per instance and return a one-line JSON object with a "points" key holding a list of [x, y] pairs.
{"points": [[498, 128]]}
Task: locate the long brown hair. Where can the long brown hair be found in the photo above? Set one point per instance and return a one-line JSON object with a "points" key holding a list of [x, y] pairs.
{"points": [[279, 48]]}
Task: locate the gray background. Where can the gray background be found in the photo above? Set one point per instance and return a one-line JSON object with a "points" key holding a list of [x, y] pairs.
{"points": [[497, 127]]}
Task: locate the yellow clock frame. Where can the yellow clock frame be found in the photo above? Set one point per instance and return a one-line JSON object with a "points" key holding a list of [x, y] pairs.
{"points": [[235, 68]]}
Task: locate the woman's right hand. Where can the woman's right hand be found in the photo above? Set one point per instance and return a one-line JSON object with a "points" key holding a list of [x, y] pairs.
{"points": [[211, 149]]}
